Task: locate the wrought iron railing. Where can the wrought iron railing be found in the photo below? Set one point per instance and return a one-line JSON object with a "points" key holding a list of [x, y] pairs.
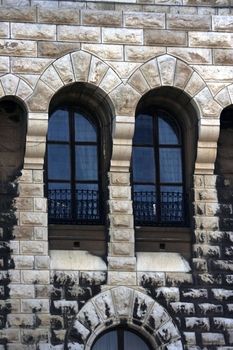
{"points": [[81, 208], [153, 211]]}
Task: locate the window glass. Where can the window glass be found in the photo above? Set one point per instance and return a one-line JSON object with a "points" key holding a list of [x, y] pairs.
{"points": [[170, 165], [86, 162], [133, 342], [143, 130], [84, 129], [59, 162], [59, 126], [143, 164], [168, 134]]}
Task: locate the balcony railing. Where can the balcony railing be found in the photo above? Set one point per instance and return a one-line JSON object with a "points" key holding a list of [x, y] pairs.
{"points": [[82, 208], [152, 211]]}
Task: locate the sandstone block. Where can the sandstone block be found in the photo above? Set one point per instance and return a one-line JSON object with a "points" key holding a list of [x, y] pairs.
{"points": [[144, 20], [216, 73], [194, 294], [119, 179], [18, 48], [22, 291], [40, 204], [64, 68], [41, 233], [78, 33], [142, 53], [121, 263], [35, 277], [121, 220], [222, 294], [183, 308], [223, 23], [20, 320], [102, 18], [170, 294], [193, 22], [23, 262], [37, 248], [151, 279], [122, 36], [29, 65], [55, 49], [122, 234], [208, 309], [58, 15], [38, 102], [37, 176], [31, 190], [4, 30], [42, 262], [122, 249], [164, 37], [197, 323], [212, 339], [88, 278], [106, 52], [210, 39], [19, 14], [33, 31], [23, 233], [4, 65], [120, 192], [191, 55], [121, 278], [223, 56], [25, 204]]}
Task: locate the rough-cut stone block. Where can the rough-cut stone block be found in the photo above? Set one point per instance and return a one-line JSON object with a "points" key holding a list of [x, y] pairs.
{"points": [[120, 249], [42, 262], [222, 294], [208, 309], [212, 339], [222, 23], [78, 33], [210, 39], [105, 52], [22, 291], [18, 48], [4, 30], [121, 263], [29, 65], [58, 15], [142, 53], [55, 49], [191, 55], [39, 101], [122, 36], [31, 247], [216, 73], [170, 294], [19, 14], [194, 294], [35, 277], [122, 234], [33, 31], [164, 37], [102, 18], [197, 323], [21, 320], [191, 22], [183, 308], [97, 70], [144, 20], [121, 278], [34, 305]]}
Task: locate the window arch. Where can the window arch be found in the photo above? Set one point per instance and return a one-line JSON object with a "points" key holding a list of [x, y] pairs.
{"points": [[120, 339], [157, 170], [73, 178]]}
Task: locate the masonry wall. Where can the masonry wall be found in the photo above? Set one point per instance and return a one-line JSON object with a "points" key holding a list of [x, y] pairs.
{"points": [[124, 49]]}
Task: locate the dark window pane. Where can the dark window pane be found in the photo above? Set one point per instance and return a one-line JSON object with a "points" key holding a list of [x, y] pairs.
{"points": [[168, 134], [84, 129], [170, 165], [172, 204], [143, 130], [133, 342], [108, 341], [144, 203], [58, 129], [59, 201], [58, 162], [143, 164], [87, 202], [86, 163]]}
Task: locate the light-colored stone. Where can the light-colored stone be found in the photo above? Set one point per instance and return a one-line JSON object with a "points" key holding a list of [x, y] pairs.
{"points": [[9, 83], [81, 63], [18, 48], [121, 278], [79, 33], [210, 39], [191, 22], [4, 65], [97, 71], [52, 79], [56, 49], [64, 68], [4, 30], [33, 31], [102, 18], [182, 74], [122, 36], [105, 52], [151, 73], [166, 65], [110, 81], [29, 65], [164, 37], [19, 14], [222, 23], [191, 55], [161, 262], [194, 85], [142, 53], [58, 15], [144, 20]]}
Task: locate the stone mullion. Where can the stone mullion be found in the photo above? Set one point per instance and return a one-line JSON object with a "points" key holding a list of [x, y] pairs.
{"points": [[30, 246], [121, 246]]}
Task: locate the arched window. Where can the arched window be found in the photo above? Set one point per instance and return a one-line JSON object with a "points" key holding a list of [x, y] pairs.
{"points": [[73, 181], [157, 170], [120, 339]]}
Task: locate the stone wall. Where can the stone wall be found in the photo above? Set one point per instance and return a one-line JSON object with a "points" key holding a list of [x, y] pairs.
{"points": [[123, 49]]}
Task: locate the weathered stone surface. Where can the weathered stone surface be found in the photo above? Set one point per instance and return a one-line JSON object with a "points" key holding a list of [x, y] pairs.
{"points": [[33, 31], [55, 49], [35, 277], [64, 68], [18, 48], [105, 52], [193, 22], [144, 20], [191, 55], [223, 56], [29, 65], [125, 106], [197, 323], [166, 66], [121, 278], [81, 63], [39, 101], [97, 71], [4, 65], [223, 23], [213, 339], [142, 53], [210, 39], [58, 15], [102, 18], [19, 14], [78, 33], [164, 37], [35, 305], [22, 291], [216, 73], [122, 36], [4, 30], [52, 79], [34, 247]]}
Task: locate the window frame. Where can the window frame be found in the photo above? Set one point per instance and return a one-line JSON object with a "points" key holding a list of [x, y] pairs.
{"points": [[75, 235], [171, 237]]}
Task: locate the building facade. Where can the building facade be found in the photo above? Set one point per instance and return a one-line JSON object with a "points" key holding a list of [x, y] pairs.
{"points": [[116, 163]]}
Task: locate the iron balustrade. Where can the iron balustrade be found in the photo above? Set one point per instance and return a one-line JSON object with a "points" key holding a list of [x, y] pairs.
{"points": [[151, 210], [84, 208]]}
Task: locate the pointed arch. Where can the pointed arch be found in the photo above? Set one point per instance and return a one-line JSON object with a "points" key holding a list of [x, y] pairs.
{"points": [[123, 306]]}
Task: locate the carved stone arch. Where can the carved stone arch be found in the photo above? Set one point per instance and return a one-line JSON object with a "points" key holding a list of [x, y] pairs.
{"points": [[225, 96], [123, 306], [170, 71], [12, 85]]}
